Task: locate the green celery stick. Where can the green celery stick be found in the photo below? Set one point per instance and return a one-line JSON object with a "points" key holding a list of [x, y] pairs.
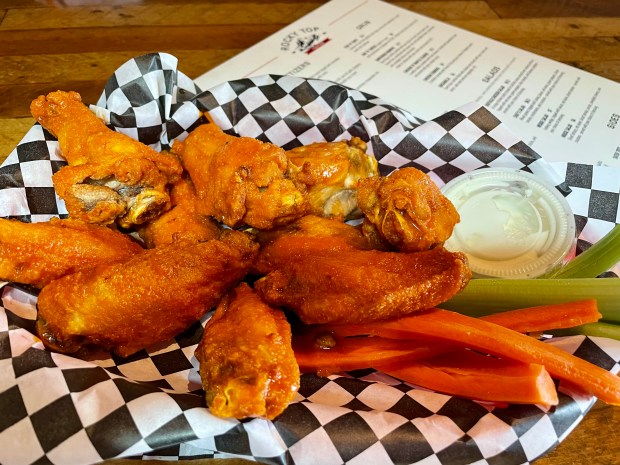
{"points": [[601, 329], [487, 296], [598, 259]]}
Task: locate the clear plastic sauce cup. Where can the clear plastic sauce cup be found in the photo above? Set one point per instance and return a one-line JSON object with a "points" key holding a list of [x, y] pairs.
{"points": [[513, 224]]}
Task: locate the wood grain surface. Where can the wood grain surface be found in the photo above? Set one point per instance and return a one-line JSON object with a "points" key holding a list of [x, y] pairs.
{"points": [[76, 44]]}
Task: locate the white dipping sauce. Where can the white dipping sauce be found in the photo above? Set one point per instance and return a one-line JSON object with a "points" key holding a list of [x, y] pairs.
{"points": [[513, 224]]}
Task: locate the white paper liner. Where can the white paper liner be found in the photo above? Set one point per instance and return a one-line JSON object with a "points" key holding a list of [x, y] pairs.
{"points": [[63, 410]]}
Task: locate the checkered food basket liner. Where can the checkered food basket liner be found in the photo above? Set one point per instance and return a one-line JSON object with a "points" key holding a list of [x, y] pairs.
{"points": [[58, 409]]}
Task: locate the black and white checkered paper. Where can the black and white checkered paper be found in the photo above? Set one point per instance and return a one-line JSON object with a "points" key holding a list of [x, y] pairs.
{"points": [[58, 409]]}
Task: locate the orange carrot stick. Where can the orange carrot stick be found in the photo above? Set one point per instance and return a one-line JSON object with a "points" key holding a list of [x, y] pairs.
{"points": [[324, 353], [545, 317], [475, 376], [353, 354], [474, 333]]}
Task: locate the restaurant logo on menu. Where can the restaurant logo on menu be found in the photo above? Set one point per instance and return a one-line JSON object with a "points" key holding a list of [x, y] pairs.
{"points": [[304, 40]]}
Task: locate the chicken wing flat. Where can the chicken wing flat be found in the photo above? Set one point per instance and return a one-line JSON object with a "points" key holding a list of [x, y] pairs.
{"points": [[240, 180], [110, 176], [149, 298], [330, 171], [406, 209], [247, 364], [38, 253], [326, 283], [184, 221], [334, 234], [317, 226]]}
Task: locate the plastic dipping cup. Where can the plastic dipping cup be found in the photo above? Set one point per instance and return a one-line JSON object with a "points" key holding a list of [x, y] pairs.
{"points": [[513, 224]]}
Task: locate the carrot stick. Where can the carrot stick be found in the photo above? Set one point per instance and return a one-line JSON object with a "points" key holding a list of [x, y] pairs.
{"points": [[353, 354], [524, 320], [324, 353], [475, 376], [474, 333], [546, 317]]}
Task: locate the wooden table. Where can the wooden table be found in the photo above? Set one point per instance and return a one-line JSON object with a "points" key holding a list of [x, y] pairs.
{"points": [[47, 45]]}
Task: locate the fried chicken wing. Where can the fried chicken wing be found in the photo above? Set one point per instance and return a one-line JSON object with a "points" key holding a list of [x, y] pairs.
{"points": [[327, 282], [334, 234], [240, 180], [38, 253], [406, 209], [317, 227], [247, 364], [184, 221], [149, 298], [110, 176], [330, 171]]}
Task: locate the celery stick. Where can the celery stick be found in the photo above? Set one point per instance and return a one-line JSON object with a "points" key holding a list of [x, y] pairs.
{"points": [[600, 329], [598, 259], [486, 296]]}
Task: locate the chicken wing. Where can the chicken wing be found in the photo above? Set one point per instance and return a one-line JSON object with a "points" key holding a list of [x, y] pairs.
{"points": [[240, 180], [327, 282], [183, 222], [38, 253], [330, 171], [406, 209], [333, 233], [110, 176], [247, 364], [149, 298]]}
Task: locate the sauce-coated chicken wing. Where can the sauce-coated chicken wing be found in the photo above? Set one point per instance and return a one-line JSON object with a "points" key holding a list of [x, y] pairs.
{"points": [[406, 209], [110, 176], [326, 281], [38, 253], [330, 171], [149, 298], [241, 181], [184, 221], [337, 232], [247, 364]]}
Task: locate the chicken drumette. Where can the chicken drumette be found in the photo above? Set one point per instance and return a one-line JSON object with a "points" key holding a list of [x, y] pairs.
{"points": [[406, 209], [330, 171], [247, 364], [240, 180], [110, 177], [184, 221]]}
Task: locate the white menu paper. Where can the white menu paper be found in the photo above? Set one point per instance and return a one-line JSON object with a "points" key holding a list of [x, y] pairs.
{"points": [[429, 67]]}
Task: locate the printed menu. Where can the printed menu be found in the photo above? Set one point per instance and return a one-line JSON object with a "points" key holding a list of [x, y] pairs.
{"points": [[428, 67]]}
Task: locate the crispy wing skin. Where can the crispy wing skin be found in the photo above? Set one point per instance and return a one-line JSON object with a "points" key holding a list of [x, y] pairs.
{"points": [[240, 180], [336, 235], [38, 253], [149, 298], [110, 177], [247, 364], [330, 171], [407, 210], [323, 283], [184, 221]]}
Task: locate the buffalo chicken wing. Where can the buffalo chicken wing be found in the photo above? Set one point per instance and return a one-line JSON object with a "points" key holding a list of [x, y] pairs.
{"points": [[247, 364], [330, 171], [240, 180], [324, 280], [407, 210], [184, 221], [38, 253], [127, 306], [110, 176]]}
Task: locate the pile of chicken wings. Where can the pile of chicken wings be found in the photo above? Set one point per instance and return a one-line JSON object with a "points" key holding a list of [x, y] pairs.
{"points": [[155, 240]]}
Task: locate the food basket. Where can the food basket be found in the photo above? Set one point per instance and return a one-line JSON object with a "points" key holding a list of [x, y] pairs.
{"points": [[64, 410]]}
